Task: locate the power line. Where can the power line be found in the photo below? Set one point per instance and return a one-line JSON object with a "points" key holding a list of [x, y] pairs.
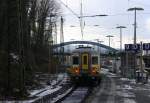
{"points": [[75, 14]]}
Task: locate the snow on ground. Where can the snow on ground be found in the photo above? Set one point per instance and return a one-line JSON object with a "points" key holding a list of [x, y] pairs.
{"points": [[127, 100], [49, 91], [124, 79], [34, 92], [25, 101], [57, 79], [143, 87], [112, 75], [41, 92], [149, 80], [104, 71], [61, 96], [125, 94], [124, 87], [127, 87], [60, 77], [132, 81]]}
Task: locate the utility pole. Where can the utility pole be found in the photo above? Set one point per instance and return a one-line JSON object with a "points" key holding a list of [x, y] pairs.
{"points": [[109, 36], [120, 27], [135, 23], [81, 18]]}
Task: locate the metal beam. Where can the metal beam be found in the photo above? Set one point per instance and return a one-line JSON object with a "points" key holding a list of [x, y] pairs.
{"points": [[85, 42]]}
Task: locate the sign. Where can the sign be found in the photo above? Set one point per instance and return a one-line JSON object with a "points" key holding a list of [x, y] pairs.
{"points": [[132, 47], [137, 47], [146, 46], [128, 47]]}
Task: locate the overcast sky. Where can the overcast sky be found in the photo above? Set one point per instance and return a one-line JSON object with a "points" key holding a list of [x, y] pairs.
{"points": [[118, 15]]}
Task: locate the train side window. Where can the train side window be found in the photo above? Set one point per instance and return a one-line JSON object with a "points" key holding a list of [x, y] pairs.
{"points": [[94, 60], [75, 60], [84, 59]]}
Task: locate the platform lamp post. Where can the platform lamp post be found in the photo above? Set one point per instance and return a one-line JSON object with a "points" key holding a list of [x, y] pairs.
{"points": [[109, 36], [109, 57], [135, 9], [120, 27]]}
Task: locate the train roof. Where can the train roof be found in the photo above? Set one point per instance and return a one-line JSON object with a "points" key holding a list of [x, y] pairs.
{"points": [[84, 49]]}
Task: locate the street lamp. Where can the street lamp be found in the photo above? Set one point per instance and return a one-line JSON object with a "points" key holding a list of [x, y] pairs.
{"points": [[120, 27], [135, 24], [135, 9], [109, 36]]}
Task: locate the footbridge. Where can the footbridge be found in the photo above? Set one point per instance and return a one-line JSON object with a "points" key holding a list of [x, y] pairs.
{"points": [[86, 42]]}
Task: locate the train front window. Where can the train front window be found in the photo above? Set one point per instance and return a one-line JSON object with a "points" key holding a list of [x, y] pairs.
{"points": [[94, 60], [75, 60]]}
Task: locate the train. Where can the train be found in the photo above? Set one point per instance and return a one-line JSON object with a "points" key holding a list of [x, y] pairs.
{"points": [[85, 65]]}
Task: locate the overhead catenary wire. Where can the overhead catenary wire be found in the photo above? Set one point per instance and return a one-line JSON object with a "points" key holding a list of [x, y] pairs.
{"points": [[75, 14]]}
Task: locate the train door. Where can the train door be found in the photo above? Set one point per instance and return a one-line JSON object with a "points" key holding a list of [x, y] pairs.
{"points": [[85, 62]]}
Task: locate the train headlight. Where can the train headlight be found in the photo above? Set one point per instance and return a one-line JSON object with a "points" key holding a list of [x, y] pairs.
{"points": [[94, 70], [76, 70]]}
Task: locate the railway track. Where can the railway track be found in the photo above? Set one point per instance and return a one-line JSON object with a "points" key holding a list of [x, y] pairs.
{"points": [[65, 87], [68, 93], [78, 95]]}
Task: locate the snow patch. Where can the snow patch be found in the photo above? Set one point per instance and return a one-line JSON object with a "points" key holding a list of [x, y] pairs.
{"points": [[49, 91], [61, 96], [112, 75], [104, 71], [127, 100], [34, 92], [127, 87], [124, 79], [124, 87], [132, 81], [141, 88], [125, 94]]}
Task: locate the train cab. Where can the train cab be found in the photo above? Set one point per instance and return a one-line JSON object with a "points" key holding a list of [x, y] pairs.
{"points": [[85, 65]]}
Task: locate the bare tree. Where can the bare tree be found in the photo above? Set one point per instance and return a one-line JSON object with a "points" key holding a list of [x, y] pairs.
{"points": [[23, 42]]}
